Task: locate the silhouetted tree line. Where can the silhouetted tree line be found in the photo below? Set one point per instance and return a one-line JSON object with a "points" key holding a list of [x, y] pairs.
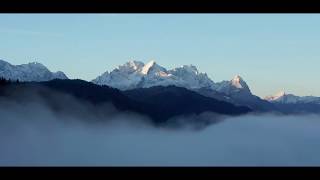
{"points": [[4, 81]]}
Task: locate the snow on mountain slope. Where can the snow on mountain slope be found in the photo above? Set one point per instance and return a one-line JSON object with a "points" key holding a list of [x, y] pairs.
{"points": [[282, 97], [136, 74], [238, 92], [28, 72], [276, 96], [153, 68], [191, 78], [123, 77], [234, 86]]}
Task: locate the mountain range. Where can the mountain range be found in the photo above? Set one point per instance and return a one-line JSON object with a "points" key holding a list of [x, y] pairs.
{"points": [[165, 89], [282, 97], [158, 103], [136, 74], [28, 72]]}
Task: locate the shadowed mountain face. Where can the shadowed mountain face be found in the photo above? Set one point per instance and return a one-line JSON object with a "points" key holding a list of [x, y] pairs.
{"points": [[172, 100], [238, 98], [159, 103]]}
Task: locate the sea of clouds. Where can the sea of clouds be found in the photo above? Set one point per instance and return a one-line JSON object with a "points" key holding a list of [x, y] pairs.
{"points": [[32, 134]]}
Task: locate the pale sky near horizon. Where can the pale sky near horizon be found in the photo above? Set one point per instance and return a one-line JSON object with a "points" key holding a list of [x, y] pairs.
{"points": [[272, 52]]}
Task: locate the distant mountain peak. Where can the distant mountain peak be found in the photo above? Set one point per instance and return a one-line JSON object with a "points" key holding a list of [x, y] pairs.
{"points": [[130, 66], [190, 68], [284, 98], [237, 78], [276, 96], [33, 71], [151, 65], [136, 74], [135, 63], [60, 75], [238, 82], [234, 86]]}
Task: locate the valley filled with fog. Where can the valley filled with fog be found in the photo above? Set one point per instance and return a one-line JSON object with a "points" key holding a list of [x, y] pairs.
{"points": [[33, 134]]}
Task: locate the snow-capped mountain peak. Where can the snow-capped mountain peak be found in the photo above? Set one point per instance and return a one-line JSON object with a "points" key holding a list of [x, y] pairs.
{"points": [[234, 86], [136, 75], [131, 66], [276, 96], [238, 82], [190, 68], [282, 97], [153, 67], [59, 75], [33, 71], [147, 66], [35, 66]]}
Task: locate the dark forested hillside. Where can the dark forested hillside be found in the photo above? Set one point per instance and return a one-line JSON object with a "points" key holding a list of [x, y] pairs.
{"points": [[158, 103]]}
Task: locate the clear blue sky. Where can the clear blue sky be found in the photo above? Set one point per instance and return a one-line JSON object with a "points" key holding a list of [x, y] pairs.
{"points": [[270, 51]]}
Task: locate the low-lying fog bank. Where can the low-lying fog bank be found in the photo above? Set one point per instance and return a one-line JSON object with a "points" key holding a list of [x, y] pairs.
{"points": [[32, 134]]}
